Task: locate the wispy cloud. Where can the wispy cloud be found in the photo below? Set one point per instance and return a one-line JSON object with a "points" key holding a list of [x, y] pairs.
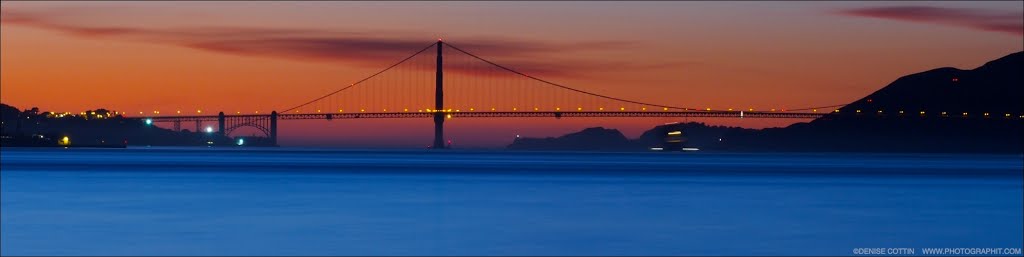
{"points": [[338, 46], [986, 20]]}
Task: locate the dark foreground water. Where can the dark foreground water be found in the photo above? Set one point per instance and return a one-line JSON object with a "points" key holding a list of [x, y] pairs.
{"points": [[321, 202]]}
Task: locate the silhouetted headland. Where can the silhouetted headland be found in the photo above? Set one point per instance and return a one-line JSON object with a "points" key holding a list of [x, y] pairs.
{"points": [[941, 110]]}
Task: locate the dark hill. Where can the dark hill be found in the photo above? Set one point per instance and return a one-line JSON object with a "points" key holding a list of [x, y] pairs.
{"points": [[996, 87], [589, 139]]}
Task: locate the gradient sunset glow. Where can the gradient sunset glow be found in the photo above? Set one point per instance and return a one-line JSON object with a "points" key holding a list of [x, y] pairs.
{"points": [[264, 56]]}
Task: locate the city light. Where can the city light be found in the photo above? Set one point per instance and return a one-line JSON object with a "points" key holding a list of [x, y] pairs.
{"points": [[241, 141], [209, 129], [675, 133], [149, 121]]}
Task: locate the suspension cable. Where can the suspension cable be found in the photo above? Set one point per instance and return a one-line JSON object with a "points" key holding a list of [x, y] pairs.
{"points": [[362, 80], [600, 95]]}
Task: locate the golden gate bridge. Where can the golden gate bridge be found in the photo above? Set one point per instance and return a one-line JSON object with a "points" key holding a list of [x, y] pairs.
{"points": [[474, 88]]}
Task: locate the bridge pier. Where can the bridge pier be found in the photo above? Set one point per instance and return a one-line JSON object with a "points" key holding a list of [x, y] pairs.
{"points": [[273, 128], [220, 124]]}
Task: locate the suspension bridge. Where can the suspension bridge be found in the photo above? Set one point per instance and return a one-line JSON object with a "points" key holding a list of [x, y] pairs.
{"points": [[457, 83]]}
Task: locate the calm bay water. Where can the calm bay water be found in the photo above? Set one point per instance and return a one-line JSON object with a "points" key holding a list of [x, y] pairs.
{"points": [[329, 202]]}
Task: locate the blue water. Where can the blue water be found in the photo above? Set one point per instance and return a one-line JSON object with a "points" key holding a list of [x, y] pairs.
{"points": [[330, 202]]}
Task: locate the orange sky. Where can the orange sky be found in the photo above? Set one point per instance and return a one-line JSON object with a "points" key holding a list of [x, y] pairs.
{"points": [[215, 56]]}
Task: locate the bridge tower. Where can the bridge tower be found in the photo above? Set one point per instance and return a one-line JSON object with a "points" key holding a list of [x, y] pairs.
{"points": [[273, 128], [439, 115], [220, 124]]}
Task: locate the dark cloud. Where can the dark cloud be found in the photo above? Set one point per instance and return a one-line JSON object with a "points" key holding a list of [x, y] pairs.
{"points": [[986, 20], [334, 46]]}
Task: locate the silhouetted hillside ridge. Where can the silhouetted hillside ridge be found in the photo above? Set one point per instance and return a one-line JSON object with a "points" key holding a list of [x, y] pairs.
{"points": [[996, 87]]}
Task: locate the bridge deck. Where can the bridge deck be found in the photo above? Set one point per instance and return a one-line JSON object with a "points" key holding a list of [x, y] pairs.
{"points": [[524, 114]]}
